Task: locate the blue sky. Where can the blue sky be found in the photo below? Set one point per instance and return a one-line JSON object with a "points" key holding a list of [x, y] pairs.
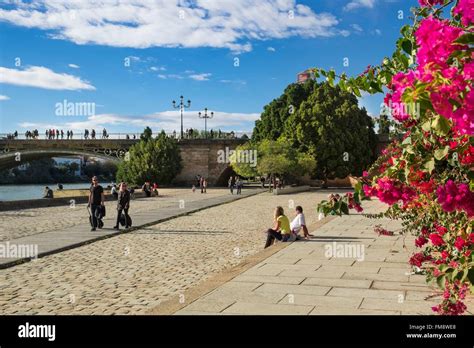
{"points": [[131, 60]]}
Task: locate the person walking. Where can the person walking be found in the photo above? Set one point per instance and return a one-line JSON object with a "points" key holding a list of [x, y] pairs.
{"points": [[239, 184], [96, 201], [204, 185], [201, 184], [123, 205], [231, 185]]}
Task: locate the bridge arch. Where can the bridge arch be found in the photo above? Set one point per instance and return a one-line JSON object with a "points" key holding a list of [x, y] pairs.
{"points": [[11, 159]]}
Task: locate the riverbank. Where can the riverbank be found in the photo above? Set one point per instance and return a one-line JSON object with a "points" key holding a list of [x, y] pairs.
{"points": [[66, 200]]}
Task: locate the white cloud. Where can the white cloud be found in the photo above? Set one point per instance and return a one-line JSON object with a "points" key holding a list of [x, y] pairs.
{"points": [[166, 120], [271, 49], [238, 82], [157, 68], [4, 97], [355, 4], [41, 77], [357, 28], [141, 24], [74, 66], [378, 32], [200, 77]]}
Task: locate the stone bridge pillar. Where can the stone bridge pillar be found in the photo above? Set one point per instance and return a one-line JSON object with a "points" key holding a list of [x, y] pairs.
{"points": [[201, 157]]}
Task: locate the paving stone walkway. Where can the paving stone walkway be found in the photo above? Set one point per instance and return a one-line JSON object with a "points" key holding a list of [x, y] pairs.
{"points": [[61, 238], [306, 278]]}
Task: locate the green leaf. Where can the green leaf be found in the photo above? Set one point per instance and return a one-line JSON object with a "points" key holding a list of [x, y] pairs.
{"points": [[430, 165], [465, 273], [407, 46], [426, 126], [470, 276], [441, 280], [410, 149], [344, 208], [467, 39], [441, 125], [440, 154]]}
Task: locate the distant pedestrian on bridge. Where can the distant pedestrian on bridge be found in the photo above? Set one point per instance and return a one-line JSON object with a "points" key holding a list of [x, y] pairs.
{"points": [[93, 134]]}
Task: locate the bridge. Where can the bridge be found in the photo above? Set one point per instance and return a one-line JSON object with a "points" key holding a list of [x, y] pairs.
{"points": [[199, 156]]}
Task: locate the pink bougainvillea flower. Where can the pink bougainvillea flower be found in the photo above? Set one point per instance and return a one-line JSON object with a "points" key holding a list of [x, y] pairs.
{"points": [[436, 239], [424, 3], [420, 241], [466, 9], [435, 38], [460, 243], [454, 196]]}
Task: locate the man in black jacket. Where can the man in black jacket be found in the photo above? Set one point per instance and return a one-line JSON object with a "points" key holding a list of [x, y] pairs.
{"points": [[96, 201]]}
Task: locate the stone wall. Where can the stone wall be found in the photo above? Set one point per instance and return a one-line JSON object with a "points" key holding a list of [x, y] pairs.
{"points": [[200, 157]]}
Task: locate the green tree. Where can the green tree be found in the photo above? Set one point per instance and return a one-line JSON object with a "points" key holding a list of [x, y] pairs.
{"points": [[273, 158], [331, 127], [156, 159], [274, 116], [147, 134], [246, 169]]}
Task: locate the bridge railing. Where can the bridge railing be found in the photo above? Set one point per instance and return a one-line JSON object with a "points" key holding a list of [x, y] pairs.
{"points": [[125, 136]]}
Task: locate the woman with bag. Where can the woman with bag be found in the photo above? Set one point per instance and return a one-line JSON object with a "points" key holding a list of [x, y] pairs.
{"points": [[123, 204]]}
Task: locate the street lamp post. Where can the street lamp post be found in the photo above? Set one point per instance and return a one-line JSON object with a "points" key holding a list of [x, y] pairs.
{"points": [[205, 116], [181, 107]]}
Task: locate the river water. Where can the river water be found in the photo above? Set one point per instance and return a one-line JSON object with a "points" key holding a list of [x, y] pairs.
{"points": [[20, 192]]}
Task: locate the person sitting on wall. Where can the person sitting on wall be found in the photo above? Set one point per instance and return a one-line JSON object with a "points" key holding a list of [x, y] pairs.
{"points": [[48, 193], [147, 189]]}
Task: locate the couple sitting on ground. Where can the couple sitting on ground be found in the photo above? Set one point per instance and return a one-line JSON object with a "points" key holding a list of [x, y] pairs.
{"points": [[283, 230]]}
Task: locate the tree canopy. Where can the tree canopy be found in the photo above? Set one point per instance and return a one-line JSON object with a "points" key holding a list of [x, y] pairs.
{"points": [[274, 157], [272, 121], [152, 159], [324, 122]]}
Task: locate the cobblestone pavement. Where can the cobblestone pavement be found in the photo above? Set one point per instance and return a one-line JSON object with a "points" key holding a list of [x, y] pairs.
{"points": [[27, 222], [131, 273]]}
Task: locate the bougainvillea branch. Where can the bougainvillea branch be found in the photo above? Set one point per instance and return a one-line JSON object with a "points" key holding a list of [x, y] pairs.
{"points": [[427, 177]]}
